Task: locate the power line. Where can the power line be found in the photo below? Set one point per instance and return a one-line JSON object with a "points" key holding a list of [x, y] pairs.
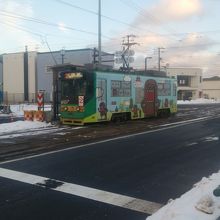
{"points": [[21, 28], [185, 33], [31, 19], [77, 7], [41, 35], [102, 15], [147, 14], [53, 24]]}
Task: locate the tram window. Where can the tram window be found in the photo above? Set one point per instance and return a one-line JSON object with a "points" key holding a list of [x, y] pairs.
{"points": [[72, 89], [82, 88]]}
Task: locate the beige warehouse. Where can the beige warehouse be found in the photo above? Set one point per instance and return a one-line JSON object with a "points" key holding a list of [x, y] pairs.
{"points": [[211, 87], [13, 77]]}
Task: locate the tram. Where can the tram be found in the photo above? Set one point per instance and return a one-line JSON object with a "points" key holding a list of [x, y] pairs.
{"points": [[89, 96]]}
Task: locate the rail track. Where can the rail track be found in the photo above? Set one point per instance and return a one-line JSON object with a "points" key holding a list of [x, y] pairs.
{"points": [[30, 142]]}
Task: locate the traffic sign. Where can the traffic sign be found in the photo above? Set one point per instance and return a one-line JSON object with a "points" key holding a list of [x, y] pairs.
{"points": [[40, 99]]}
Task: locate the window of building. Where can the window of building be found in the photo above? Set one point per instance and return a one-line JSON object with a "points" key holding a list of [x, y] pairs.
{"points": [[183, 80]]}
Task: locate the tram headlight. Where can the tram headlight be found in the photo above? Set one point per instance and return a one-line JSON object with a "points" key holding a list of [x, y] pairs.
{"points": [[64, 108]]}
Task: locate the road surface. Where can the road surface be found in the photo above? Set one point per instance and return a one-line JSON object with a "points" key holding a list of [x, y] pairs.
{"points": [[126, 177]]}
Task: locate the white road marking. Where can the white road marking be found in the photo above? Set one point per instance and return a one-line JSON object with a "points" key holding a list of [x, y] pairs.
{"points": [[185, 122], [164, 127], [85, 192], [191, 144], [211, 138]]}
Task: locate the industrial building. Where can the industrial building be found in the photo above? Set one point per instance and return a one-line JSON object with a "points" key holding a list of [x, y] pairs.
{"points": [[19, 77], [25, 73]]}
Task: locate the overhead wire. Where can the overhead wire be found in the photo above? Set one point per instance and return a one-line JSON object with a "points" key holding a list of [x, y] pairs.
{"points": [[102, 15], [4, 13], [39, 21], [21, 28], [146, 14], [127, 24], [42, 36]]}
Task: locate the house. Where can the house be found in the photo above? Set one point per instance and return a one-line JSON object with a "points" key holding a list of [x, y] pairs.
{"points": [[189, 82]]}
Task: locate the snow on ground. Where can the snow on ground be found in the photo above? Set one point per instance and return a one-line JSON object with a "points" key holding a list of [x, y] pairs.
{"points": [[22, 126], [198, 101], [187, 206], [18, 110], [27, 128]]}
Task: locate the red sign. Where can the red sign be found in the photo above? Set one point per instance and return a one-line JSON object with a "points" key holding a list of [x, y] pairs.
{"points": [[40, 99]]}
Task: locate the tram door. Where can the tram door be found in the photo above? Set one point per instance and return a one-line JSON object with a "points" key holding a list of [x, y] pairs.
{"points": [[150, 98]]}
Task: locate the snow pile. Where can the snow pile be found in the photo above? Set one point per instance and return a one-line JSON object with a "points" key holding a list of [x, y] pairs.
{"points": [[18, 110], [198, 203], [198, 101], [21, 126]]}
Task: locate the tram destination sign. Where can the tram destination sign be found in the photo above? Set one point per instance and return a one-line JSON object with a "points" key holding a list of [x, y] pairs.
{"points": [[73, 75]]}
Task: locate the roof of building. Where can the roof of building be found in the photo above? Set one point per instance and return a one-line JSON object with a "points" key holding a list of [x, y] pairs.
{"points": [[74, 50], [214, 78], [58, 51]]}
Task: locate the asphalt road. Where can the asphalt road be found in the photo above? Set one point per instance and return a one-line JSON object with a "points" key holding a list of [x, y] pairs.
{"points": [[152, 166]]}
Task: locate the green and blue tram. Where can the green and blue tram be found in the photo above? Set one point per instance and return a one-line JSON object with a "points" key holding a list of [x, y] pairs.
{"points": [[97, 96]]}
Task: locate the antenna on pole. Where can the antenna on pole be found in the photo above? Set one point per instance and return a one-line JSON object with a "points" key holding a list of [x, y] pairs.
{"points": [[126, 56], [99, 35]]}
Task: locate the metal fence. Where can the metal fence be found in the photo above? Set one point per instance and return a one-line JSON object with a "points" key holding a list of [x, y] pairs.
{"points": [[16, 98]]}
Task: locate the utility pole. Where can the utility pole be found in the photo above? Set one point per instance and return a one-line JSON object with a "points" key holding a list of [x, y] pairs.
{"points": [[146, 58], [95, 55], [159, 59], [62, 53], [26, 84], [99, 34]]}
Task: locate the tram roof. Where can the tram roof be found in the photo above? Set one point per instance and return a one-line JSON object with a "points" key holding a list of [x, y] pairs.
{"points": [[104, 68]]}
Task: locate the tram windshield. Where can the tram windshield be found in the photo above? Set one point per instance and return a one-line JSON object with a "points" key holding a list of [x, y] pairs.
{"points": [[71, 89]]}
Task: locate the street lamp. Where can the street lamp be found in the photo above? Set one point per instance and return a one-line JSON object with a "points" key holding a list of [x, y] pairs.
{"points": [[146, 62], [159, 58]]}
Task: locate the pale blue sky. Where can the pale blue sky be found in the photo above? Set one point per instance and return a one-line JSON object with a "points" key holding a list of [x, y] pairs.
{"points": [[188, 29]]}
